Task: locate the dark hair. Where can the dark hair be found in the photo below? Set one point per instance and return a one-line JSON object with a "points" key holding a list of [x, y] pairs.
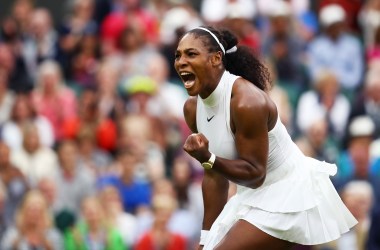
{"points": [[243, 62]]}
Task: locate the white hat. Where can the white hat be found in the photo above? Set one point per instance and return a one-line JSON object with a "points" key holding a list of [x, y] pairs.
{"points": [[330, 14], [280, 8], [240, 11], [361, 126]]}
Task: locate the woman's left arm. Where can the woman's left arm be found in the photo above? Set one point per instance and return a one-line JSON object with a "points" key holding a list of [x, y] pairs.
{"points": [[251, 111]]}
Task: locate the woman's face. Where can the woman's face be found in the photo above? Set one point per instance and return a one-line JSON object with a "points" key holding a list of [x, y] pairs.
{"points": [[193, 64], [50, 81], [92, 212], [33, 211], [21, 109]]}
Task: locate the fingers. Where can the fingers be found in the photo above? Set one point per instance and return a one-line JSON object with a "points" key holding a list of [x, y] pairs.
{"points": [[196, 145], [194, 142]]}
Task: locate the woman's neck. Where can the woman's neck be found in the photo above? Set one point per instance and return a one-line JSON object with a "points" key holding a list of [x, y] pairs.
{"points": [[212, 84]]}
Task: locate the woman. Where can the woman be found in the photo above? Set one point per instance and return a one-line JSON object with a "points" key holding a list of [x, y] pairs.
{"points": [[34, 228], [93, 232], [52, 98], [159, 236], [22, 113], [282, 196], [324, 101]]}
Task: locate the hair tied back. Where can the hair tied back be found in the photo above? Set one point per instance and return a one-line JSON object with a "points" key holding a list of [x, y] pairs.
{"points": [[232, 50]]}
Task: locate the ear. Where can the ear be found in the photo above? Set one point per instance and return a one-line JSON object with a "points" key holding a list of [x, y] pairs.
{"points": [[216, 59]]}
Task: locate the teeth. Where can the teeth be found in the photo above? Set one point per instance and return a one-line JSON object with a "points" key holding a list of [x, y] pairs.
{"points": [[185, 73]]}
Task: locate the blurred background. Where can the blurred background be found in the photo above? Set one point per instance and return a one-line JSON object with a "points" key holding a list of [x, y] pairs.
{"points": [[91, 123]]}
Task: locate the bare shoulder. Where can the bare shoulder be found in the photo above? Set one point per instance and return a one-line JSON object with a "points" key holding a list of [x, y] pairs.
{"points": [[250, 102], [189, 111]]}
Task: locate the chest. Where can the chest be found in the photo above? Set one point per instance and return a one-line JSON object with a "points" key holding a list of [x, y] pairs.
{"points": [[214, 123]]}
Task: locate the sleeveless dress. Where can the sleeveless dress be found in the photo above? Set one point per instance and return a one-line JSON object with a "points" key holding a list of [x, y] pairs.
{"points": [[297, 201]]}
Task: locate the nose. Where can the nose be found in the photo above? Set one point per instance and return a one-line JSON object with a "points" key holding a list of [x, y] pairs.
{"points": [[180, 62]]}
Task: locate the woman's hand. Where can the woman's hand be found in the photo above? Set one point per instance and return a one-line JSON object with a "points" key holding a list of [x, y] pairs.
{"points": [[196, 145]]}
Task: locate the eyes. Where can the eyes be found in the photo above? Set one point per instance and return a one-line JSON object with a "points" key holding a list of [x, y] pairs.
{"points": [[187, 54]]}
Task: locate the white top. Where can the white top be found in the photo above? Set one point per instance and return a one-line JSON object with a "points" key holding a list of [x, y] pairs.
{"points": [[213, 118], [310, 110], [13, 137], [297, 201], [42, 163]]}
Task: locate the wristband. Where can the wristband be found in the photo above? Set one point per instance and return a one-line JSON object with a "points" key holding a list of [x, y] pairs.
{"points": [[208, 164], [204, 234]]}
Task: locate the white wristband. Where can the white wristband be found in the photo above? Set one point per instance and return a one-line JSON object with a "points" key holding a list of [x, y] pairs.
{"points": [[204, 234]]}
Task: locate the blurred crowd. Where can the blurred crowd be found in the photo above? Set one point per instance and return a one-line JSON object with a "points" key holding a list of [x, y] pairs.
{"points": [[91, 124]]}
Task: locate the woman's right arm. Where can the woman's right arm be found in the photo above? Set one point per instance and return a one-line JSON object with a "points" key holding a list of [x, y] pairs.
{"points": [[214, 185]]}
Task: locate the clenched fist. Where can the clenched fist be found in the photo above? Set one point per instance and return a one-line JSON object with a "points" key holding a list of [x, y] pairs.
{"points": [[196, 145]]}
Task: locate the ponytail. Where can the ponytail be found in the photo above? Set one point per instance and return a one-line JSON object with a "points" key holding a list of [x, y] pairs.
{"points": [[244, 63]]}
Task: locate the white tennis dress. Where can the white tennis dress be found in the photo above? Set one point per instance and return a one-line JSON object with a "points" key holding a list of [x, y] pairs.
{"points": [[297, 201]]}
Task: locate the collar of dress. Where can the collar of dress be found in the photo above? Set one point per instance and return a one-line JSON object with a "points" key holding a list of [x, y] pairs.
{"points": [[213, 99]]}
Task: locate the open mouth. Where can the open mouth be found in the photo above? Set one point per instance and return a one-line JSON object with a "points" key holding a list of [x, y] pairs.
{"points": [[188, 79]]}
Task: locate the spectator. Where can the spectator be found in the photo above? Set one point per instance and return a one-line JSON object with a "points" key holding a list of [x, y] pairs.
{"points": [[126, 14], [355, 163], [318, 142], [90, 154], [215, 11], [48, 189], [6, 97], [22, 113], [187, 186], [21, 10], [79, 19], [285, 50], [241, 23], [180, 215], [33, 228], [135, 193], [52, 98], [136, 50], [123, 221], [188, 193], [144, 137], [41, 40], [74, 182], [63, 219], [159, 236], [93, 232], [18, 78], [369, 20], [324, 101], [77, 30], [351, 7], [111, 105], [335, 48], [88, 118], [85, 61], [367, 102], [14, 185], [34, 159]]}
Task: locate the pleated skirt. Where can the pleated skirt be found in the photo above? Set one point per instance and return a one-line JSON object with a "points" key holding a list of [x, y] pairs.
{"points": [[296, 203]]}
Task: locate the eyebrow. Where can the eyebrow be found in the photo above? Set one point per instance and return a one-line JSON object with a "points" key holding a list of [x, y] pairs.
{"points": [[187, 50]]}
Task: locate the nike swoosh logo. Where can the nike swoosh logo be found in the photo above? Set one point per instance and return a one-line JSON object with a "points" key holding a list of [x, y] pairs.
{"points": [[209, 119]]}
